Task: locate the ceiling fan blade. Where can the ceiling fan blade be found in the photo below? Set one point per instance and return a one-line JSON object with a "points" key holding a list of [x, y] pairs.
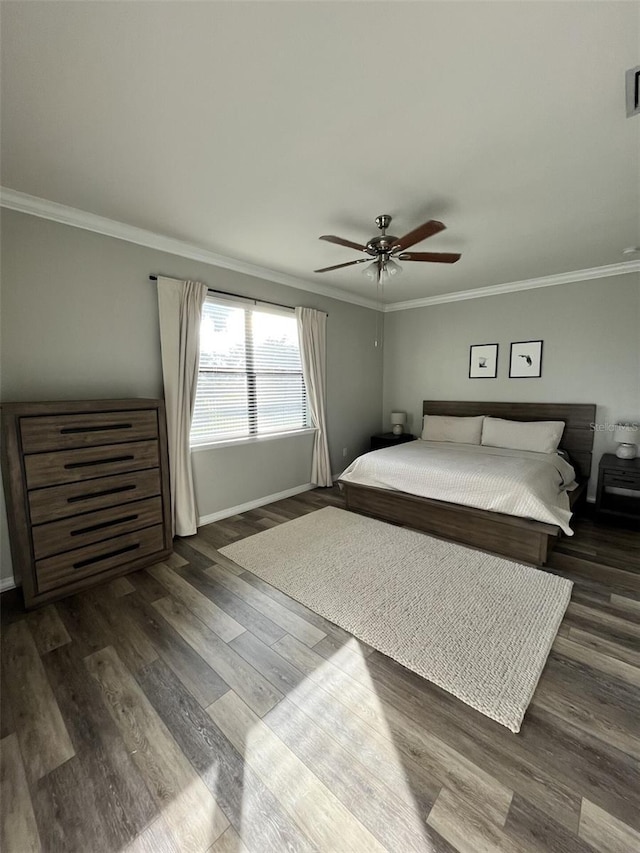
{"points": [[418, 234], [348, 264], [433, 257], [340, 242]]}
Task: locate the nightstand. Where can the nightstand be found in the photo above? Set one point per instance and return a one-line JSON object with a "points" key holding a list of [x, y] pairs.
{"points": [[388, 439], [614, 475]]}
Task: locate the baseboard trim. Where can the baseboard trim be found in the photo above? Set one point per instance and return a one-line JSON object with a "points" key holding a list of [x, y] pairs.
{"points": [[267, 499], [7, 583]]}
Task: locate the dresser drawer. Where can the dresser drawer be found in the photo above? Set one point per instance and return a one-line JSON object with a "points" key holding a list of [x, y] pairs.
{"points": [[70, 533], [54, 572], [69, 466], [622, 479], [62, 501], [62, 432]]}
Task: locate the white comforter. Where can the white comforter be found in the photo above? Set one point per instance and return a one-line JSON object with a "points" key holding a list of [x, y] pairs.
{"points": [[515, 482]]}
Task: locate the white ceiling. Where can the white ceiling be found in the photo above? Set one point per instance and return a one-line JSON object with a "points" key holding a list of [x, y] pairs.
{"points": [[250, 128]]}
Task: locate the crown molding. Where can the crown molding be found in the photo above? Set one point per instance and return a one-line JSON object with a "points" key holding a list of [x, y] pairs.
{"points": [[72, 216], [65, 215], [514, 286]]}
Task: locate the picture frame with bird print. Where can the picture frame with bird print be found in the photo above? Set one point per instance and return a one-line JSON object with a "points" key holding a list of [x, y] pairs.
{"points": [[525, 361]]}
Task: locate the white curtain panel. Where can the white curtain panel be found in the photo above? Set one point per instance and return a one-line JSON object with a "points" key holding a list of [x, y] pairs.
{"points": [[312, 331], [180, 309]]}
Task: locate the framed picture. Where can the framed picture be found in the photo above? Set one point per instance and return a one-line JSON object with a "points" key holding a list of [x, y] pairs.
{"points": [[483, 361], [525, 361]]}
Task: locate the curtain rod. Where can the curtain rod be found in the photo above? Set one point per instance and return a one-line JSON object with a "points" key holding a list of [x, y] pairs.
{"points": [[238, 296]]}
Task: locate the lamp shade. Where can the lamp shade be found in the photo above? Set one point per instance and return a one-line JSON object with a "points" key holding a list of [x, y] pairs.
{"points": [[371, 271], [388, 269], [398, 418], [625, 433]]}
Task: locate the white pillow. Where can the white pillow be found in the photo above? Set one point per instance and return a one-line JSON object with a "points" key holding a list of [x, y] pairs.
{"points": [[446, 428], [538, 436]]}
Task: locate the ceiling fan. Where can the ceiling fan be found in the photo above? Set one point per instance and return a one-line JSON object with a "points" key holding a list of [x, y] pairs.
{"points": [[385, 250]]}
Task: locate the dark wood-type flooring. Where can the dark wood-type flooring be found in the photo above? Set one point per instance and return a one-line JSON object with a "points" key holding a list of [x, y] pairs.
{"points": [[192, 707]]}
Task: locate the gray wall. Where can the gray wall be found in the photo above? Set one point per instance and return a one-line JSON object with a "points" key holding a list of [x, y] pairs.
{"points": [[591, 334], [80, 320]]}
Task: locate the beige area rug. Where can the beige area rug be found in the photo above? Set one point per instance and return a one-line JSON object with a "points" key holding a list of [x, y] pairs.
{"points": [[479, 626]]}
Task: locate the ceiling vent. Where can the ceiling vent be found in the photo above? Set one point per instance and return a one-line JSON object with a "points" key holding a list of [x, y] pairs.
{"points": [[633, 91]]}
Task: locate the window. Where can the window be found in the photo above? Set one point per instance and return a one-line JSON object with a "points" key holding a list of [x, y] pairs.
{"points": [[250, 375]]}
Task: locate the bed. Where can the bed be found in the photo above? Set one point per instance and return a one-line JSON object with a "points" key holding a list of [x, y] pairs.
{"points": [[523, 539]]}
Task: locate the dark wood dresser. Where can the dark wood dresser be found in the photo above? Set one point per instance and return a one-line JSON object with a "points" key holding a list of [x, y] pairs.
{"points": [[87, 489]]}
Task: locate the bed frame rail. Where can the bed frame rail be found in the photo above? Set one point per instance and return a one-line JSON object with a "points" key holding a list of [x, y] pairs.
{"points": [[518, 538]]}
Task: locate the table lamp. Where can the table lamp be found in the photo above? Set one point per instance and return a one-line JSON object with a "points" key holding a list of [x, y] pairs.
{"points": [[627, 436], [398, 419]]}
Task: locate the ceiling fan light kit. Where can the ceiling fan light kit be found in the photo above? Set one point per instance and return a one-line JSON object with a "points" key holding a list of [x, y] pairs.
{"points": [[381, 270], [385, 250]]}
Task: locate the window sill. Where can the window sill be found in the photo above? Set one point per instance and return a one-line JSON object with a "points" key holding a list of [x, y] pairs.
{"points": [[253, 439]]}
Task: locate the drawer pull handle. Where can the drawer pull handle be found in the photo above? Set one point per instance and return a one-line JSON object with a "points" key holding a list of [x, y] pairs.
{"points": [[104, 524], [99, 461], [92, 560], [105, 493], [74, 430]]}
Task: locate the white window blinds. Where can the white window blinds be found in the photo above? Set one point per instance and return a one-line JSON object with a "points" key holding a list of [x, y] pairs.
{"points": [[250, 375]]}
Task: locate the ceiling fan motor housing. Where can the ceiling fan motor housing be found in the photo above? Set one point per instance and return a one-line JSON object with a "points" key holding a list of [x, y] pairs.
{"points": [[383, 244]]}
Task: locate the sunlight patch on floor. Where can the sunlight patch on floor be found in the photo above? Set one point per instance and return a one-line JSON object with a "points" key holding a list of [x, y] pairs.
{"points": [[333, 723]]}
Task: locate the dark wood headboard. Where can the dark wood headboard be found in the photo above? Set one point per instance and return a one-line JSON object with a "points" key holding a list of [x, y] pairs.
{"points": [[577, 438]]}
